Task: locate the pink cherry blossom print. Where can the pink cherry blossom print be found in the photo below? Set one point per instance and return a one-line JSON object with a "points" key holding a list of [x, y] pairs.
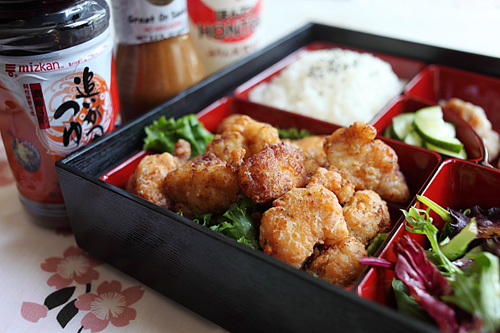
{"points": [[33, 312], [75, 265], [109, 305]]}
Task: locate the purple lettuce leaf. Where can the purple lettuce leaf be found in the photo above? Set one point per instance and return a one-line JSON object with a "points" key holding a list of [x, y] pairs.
{"points": [[425, 283], [488, 220]]}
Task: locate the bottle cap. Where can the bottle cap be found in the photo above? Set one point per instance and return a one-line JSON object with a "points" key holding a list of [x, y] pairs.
{"points": [[30, 27]]}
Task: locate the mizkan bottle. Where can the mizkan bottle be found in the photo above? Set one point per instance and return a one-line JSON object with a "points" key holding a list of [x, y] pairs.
{"points": [[57, 92]]}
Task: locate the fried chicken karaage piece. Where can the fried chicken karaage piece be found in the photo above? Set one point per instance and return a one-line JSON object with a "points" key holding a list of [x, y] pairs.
{"points": [[312, 149], [257, 135], [298, 221], [182, 151], [476, 117], [205, 184], [332, 180], [366, 215], [339, 263], [234, 122], [147, 179], [223, 144], [367, 162], [272, 172]]}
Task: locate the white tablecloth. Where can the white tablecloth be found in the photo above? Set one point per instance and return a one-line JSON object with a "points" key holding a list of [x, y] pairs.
{"points": [[39, 294], [36, 267]]}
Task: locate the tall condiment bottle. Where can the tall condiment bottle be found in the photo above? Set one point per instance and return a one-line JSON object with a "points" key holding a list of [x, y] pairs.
{"points": [[57, 93], [225, 31], [155, 57]]}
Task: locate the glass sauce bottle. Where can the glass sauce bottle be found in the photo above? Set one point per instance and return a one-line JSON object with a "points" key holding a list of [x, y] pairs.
{"points": [[57, 93], [155, 57], [224, 31]]}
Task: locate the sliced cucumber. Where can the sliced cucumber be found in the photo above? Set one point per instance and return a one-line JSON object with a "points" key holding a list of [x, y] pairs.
{"points": [[430, 125], [450, 129], [388, 132], [462, 154], [412, 138], [402, 124]]}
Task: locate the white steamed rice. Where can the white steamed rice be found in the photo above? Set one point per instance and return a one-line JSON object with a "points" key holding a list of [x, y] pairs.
{"points": [[335, 85]]}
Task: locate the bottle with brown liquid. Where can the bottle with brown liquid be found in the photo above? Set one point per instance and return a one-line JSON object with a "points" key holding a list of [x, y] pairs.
{"points": [[155, 57]]}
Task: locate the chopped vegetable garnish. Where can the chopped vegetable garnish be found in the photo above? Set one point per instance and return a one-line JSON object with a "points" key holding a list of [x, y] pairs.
{"points": [[457, 281], [163, 134], [427, 128], [235, 223], [293, 133]]}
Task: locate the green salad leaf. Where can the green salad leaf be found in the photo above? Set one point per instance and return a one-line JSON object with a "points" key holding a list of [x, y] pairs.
{"points": [[457, 246], [443, 213], [236, 222], [456, 282], [418, 221], [293, 133], [406, 303], [163, 134], [376, 243], [477, 291], [473, 275]]}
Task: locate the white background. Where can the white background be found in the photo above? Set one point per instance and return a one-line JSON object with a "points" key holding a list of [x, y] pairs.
{"points": [[466, 25]]}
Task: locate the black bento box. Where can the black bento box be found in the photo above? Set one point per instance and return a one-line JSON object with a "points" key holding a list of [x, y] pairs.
{"points": [[236, 287]]}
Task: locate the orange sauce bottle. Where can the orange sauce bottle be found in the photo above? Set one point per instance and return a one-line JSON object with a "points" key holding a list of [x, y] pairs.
{"points": [[57, 93], [156, 58]]}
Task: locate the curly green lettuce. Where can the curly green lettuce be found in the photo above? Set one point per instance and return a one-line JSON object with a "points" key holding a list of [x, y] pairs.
{"points": [[235, 223], [456, 282], [163, 134], [293, 133]]}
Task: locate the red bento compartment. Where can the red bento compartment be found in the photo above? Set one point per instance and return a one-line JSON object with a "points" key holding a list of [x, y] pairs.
{"points": [[457, 184], [437, 83], [465, 133], [417, 164], [404, 68]]}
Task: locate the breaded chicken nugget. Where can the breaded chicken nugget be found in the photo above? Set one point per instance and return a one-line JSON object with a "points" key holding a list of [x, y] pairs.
{"points": [[312, 149], [476, 117], [223, 144], [299, 220], [235, 122], [182, 150], [271, 172], [366, 215], [367, 162], [339, 263], [257, 135], [205, 184], [147, 179], [332, 180]]}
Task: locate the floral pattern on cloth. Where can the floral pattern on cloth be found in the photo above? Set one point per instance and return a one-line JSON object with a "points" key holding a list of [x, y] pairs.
{"points": [[109, 304]]}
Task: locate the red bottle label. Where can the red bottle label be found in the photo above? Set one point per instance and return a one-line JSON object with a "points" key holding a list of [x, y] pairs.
{"points": [[39, 104], [232, 23]]}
